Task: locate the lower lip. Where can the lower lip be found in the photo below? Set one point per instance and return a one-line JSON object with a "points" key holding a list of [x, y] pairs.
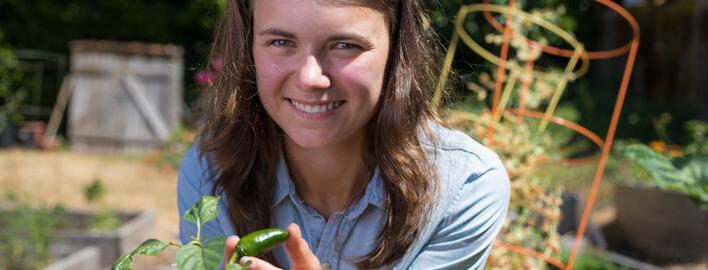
{"points": [[315, 116]]}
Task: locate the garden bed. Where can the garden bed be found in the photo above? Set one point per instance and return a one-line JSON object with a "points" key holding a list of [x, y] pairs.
{"points": [[663, 225], [134, 229], [75, 258]]}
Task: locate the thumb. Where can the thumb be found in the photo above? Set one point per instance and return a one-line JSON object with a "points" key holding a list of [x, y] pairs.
{"points": [[301, 257], [229, 247]]}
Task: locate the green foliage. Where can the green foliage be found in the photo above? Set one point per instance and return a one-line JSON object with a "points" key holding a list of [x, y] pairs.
{"points": [[688, 175], [592, 260], [697, 131], [95, 191], [50, 25], [26, 234], [640, 115], [11, 91], [163, 21], [200, 255], [150, 247], [106, 219], [196, 255], [202, 212]]}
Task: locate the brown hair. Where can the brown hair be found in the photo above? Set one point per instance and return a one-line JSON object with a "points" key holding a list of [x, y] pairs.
{"points": [[244, 143]]}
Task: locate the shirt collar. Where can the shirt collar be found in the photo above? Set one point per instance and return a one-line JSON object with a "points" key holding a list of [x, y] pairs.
{"points": [[374, 194]]}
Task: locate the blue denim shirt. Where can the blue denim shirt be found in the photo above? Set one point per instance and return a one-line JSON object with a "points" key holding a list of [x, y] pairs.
{"points": [[470, 207]]}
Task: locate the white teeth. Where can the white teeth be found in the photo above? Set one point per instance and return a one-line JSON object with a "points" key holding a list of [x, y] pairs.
{"points": [[316, 108]]}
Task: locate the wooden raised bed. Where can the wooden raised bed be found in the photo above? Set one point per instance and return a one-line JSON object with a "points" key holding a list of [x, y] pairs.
{"points": [[75, 258], [134, 229]]}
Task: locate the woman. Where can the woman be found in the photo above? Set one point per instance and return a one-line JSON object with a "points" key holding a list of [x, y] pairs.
{"points": [[321, 122]]}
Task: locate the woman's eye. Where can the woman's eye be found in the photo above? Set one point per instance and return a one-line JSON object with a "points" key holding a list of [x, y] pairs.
{"points": [[346, 46], [280, 43]]}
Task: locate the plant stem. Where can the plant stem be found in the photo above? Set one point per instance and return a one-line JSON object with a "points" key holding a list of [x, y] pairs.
{"points": [[199, 229]]}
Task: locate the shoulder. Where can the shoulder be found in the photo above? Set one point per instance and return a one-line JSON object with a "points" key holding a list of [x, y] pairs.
{"points": [[468, 172], [195, 173], [454, 142], [471, 203]]}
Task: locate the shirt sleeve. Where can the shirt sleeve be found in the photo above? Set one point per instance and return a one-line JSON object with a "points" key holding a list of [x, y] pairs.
{"points": [[193, 183], [466, 235]]}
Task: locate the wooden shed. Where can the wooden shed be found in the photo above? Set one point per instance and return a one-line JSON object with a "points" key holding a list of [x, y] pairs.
{"points": [[127, 96]]}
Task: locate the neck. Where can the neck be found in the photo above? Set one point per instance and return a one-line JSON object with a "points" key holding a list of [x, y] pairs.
{"points": [[328, 179]]}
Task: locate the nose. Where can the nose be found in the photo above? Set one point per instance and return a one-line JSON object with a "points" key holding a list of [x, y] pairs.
{"points": [[311, 76]]}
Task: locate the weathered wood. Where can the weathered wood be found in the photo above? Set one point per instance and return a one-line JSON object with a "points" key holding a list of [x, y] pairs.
{"points": [[157, 123], [58, 111], [124, 99]]}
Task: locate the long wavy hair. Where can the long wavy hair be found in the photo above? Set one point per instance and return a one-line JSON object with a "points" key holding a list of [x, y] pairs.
{"points": [[244, 143]]}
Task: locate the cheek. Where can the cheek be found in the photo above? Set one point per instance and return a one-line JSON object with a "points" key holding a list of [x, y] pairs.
{"points": [[270, 74], [366, 78]]}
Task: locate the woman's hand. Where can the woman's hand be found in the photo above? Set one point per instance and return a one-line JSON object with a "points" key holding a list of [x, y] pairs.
{"points": [[301, 258]]}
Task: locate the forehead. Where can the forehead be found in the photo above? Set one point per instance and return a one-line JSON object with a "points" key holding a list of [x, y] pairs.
{"points": [[301, 13]]}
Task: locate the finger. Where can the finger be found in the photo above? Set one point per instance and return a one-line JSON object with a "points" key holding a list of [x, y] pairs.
{"points": [[301, 257], [257, 264], [229, 247]]}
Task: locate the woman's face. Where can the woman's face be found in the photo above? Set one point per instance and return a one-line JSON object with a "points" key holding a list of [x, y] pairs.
{"points": [[319, 67]]}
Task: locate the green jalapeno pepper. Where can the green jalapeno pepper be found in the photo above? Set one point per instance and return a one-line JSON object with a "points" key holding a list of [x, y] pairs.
{"points": [[258, 242]]}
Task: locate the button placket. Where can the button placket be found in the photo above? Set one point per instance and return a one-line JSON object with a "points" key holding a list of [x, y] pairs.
{"points": [[328, 248]]}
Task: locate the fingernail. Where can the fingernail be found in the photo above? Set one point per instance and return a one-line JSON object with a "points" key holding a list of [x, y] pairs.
{"points": [[245, 259]]}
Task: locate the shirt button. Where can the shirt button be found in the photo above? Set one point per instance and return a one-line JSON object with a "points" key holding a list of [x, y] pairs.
{"points": [[326, 266]]}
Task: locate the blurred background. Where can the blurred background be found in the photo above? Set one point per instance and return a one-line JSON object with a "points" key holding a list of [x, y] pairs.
{"points": [[98, 98]]}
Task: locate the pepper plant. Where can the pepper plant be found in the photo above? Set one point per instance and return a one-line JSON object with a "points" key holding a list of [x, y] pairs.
{"points": [[200, 255]]}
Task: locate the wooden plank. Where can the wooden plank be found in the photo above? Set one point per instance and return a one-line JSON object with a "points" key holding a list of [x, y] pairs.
{"points": [[67, 85], [136, 92]]}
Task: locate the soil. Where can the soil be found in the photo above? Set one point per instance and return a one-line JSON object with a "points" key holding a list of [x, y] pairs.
{"points": [[132, 182]]}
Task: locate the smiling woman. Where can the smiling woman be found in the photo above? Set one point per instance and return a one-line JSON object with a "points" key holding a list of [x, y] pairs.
{"points": [[321, 119]]}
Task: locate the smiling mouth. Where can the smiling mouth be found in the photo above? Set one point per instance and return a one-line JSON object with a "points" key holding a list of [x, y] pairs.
{"points": [[313, 109]]}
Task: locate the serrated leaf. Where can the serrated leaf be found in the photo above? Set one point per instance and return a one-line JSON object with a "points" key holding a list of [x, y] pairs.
{"points": [[188, 257], [123, 262], [213, 252], [203, 211], [150, 247]]}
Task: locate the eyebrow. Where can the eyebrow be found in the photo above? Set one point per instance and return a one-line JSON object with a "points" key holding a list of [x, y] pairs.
{"points": [[276, 32], [283, 33], [348, 36]]}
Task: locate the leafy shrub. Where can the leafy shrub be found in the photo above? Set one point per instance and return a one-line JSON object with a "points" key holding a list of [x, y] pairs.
{"points": [[26, 234], [686, 174]]}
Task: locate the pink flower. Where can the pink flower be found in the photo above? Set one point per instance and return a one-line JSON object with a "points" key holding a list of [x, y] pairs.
{"points": [[217, 63], [204, 77]]}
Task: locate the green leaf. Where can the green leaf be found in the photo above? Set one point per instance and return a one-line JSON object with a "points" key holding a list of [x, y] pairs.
{"points": [[203, 211], [189, 257], [213, 251], [123, 262], [196, 257], [657, 165], [688, 175], [150, 247]]}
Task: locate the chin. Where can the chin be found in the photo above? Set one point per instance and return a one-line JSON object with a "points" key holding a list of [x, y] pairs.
{"points": [[310, 140], [311, 143]]}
